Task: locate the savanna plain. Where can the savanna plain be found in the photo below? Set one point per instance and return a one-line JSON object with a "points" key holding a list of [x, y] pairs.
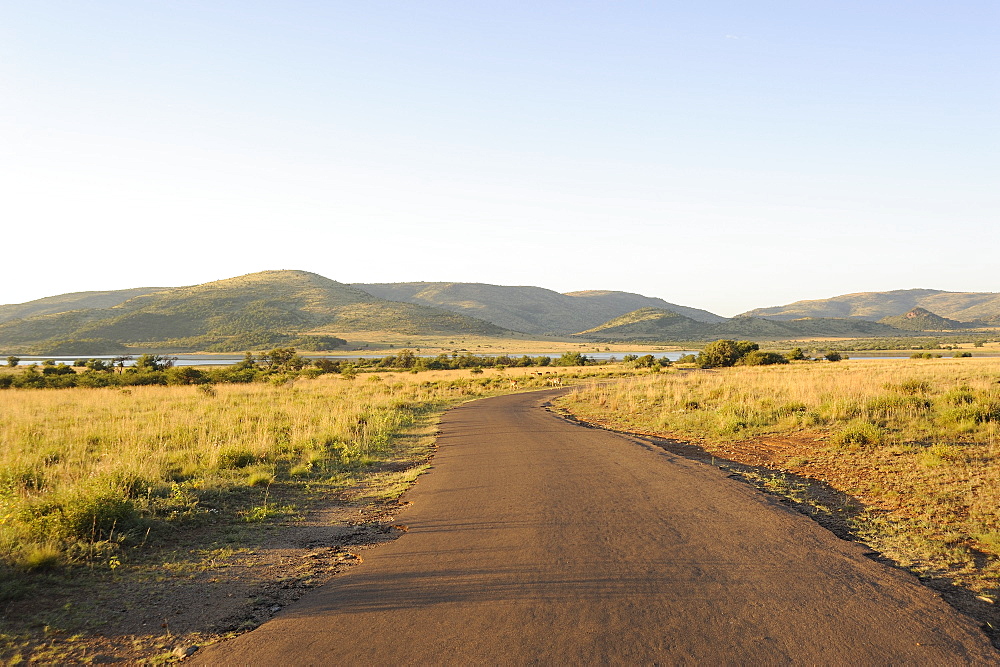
{"points": [[123, 510], [139, 521]]}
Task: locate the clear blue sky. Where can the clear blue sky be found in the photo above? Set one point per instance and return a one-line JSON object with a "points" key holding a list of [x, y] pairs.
{"points": [[722, 155]]}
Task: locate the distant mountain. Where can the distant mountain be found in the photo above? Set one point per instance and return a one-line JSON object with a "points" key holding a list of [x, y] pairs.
{"points": [[874, 306], [656, 323], [533, 310], [248, 312], [622, 300], [653, 324], [921, 319], [73, 301], [271, 308]]}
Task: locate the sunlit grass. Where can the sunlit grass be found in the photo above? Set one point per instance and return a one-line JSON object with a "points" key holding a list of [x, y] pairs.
{"points": [[85, 472]]}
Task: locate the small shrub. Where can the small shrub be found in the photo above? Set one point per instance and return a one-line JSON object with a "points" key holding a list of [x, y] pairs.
{"points": [[759, 358], [960, 397], [36, 557], [98, 515], [940, 453], [860, 433], [989, 541], [237, 457], [912, 387], [260, 478], [977, 413]]}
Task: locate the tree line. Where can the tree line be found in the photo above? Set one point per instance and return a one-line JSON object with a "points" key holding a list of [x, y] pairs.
{"points": [[276, 365]]}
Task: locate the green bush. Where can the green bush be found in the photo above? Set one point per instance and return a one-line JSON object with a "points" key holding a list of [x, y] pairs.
{"points": [[236, 457], [724, 353], [759, 358], [860, 433], [796, 354]]}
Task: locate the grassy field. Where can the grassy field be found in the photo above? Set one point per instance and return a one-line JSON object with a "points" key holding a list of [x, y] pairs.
{"points": [[915, 443], [107, 495], [86, 473], [389, 342]]}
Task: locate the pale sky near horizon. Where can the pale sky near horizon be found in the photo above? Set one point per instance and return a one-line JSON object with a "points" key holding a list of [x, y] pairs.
{"points": [[719, 155]]}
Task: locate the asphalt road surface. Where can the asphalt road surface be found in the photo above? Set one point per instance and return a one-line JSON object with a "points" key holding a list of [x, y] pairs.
{"points": [[533, 540]]}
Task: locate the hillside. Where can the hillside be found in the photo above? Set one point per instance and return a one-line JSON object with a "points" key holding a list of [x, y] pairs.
{"points": [[874, 306], [248, 312], [72, 301], [653, 324], [533, 310], [921, 319], [613, 300], [270, 308]]}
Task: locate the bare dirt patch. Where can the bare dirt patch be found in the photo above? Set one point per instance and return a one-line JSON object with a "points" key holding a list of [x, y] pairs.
{"points": [[204, 586]]}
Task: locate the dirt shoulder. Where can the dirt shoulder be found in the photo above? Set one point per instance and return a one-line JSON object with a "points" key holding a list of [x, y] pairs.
{"points": [[204, 585]]}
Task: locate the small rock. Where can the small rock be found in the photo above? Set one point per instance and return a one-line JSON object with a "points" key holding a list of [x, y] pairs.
{"points": [[276, 608], [182, 652]]}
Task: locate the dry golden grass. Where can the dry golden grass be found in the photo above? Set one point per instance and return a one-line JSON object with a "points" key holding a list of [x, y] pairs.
{"points": [[390, 342], [916, 441], [86, 472]]}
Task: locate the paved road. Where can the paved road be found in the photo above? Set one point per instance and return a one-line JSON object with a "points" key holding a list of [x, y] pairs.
{"points": [[536, 541]]}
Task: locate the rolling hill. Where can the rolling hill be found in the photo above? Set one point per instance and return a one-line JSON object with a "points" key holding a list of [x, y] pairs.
{"points": [[271, 308], [248, 312], [921, 319], [654, 324], [74, 301], [874, 306], [533, 310]]}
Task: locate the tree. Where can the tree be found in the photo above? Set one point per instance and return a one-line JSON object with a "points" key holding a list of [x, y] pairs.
{"points": [[572, 359], [796, 355], [99, 365], [154, 362], [406, 359], [833, 355], [247, 363], [723, 353], [759, 358], [13, 361], [645, 361], [327, 365], [283, 358], [185, 375], [120, 361]]}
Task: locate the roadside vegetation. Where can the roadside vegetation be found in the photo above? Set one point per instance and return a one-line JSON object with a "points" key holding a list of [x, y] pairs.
{"points": [[104, 488], [88, 472], [278, 365], [915, 443]]}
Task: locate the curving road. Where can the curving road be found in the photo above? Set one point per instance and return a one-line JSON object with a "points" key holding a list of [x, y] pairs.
{"points": [[536, 541]]}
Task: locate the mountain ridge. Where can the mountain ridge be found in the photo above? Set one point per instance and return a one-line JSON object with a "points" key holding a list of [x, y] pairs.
{"points": [[874, 306], [529, 309], [270, 308], [252, 311]]}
